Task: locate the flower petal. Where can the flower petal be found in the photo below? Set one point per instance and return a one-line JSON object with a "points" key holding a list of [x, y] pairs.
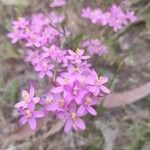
{"points": [[23, 120], [57, 89], [20, 104], [32, 91], [36, 99], [104, 89], [81, 110], [68, 125], [38, 114], [91, 110], [52, 107], [80, 123], [32, 123]]}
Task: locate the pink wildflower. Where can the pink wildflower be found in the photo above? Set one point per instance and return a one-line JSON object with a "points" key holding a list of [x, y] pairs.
{"points": [[58, 3], [73, 120], [27, 98], [29, 115]]}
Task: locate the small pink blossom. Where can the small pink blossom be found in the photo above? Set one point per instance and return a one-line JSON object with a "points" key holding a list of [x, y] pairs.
{"points": [[73, 120], [77, 57], [27, 97], [58, 3], [29, 116], [94, 46]]}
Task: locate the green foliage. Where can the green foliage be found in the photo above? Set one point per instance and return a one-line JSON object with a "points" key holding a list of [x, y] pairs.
{"points": [[11, 91], [75, 40], [141, 136]]}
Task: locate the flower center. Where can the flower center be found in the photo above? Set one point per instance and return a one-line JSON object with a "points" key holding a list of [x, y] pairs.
{"points": [[76, 69], [75, 91], [73, 115], [28, 113], [62, 103], [48, 100], [99, 80], [78, 50], [88, 101], [66, 81]]}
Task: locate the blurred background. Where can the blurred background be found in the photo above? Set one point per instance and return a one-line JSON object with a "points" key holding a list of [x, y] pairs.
{"points": [[127, 63]]}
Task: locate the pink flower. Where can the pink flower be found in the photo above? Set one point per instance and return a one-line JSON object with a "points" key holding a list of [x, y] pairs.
{"points": [[16, 35], [56, 18], [27, 98], [50, 103], [73, 120], [58, 3], [131, 16], [33, 40], [115, 17], [29, 116], [77, 57], [86, 106], [94, 46], [44, 68], [99, 85], [21, 23], [75, 92], [32, 56], [87, 13]]}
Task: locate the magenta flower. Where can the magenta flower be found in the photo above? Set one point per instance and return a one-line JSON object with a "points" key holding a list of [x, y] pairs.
{"points": [[99, 85], [77, 57], [87, 13], [75, 92], [115, 17], [50, 103], [63, 82], [131, 16], [56, 18], [29, 116], [32, 56], [58, 3], [33, 40], [73, 120], [87, 104], [44, 68], [94, 46], [21, 23], [16, 35], [27, 98]]}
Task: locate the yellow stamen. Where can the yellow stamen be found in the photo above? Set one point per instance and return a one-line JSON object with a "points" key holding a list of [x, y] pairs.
{"points": [[28, 113], [78, 50], [48, 100], [88, 100], [27, 29], [101, 78], [73, 115], [62, 103], [66, 81]]}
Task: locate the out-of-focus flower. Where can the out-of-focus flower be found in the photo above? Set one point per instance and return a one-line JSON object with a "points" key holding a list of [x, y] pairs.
{"points": [[115, 17], [94, 46], [58, 3], [77, 57]]}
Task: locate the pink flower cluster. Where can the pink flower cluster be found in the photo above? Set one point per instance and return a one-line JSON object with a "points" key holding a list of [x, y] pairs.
{"points": [[75, 94], [41, 36], [58, 3], [95, 46], [75, 88], [115, 17]]}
